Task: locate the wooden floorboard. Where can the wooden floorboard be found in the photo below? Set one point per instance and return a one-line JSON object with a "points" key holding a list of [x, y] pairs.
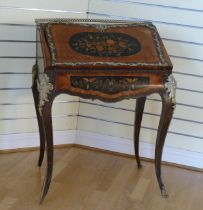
{"points": [[92, 180]]}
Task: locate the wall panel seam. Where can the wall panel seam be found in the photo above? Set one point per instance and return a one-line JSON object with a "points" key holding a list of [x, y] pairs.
{"points": [[28, 118], [146, 113], [132, 125], [141, 19], [115, 1], [42, 10], [155, 5]]}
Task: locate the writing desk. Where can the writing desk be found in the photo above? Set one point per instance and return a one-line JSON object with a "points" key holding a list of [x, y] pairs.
{"points": [[106, 60]]}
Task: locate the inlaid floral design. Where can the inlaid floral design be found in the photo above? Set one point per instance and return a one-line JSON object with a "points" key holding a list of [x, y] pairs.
{"points": [[109, 84], [104, 44]]}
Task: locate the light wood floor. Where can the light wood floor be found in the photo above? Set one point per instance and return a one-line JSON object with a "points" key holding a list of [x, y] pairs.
{"points": [[89, 180]]}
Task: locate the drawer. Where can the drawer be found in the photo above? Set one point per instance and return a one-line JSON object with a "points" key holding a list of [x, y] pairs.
{"points": [[109, 84]]}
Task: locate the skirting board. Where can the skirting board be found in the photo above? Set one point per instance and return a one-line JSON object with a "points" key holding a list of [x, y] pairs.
{"points": [[27, 140], [104, 142], [125, 146]]}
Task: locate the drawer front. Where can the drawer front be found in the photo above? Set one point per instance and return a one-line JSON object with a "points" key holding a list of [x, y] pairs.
{"points": [[109, 84], [110, 87]]}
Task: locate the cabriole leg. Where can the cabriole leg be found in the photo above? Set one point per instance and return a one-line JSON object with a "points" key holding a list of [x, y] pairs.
{"points": [[39, 117], [44, 96], [140, 102], [168, 106], [47, 122]]}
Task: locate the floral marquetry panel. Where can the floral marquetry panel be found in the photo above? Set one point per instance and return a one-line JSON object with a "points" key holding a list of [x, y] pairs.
{"points": [[104, 44], [108, 84]]}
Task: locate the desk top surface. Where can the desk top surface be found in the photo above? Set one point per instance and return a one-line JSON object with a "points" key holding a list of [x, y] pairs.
{"points": [[102, 44]]}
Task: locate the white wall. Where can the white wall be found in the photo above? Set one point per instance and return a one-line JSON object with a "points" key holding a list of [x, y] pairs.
{"points": [[17, 54], [181, 27]]}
